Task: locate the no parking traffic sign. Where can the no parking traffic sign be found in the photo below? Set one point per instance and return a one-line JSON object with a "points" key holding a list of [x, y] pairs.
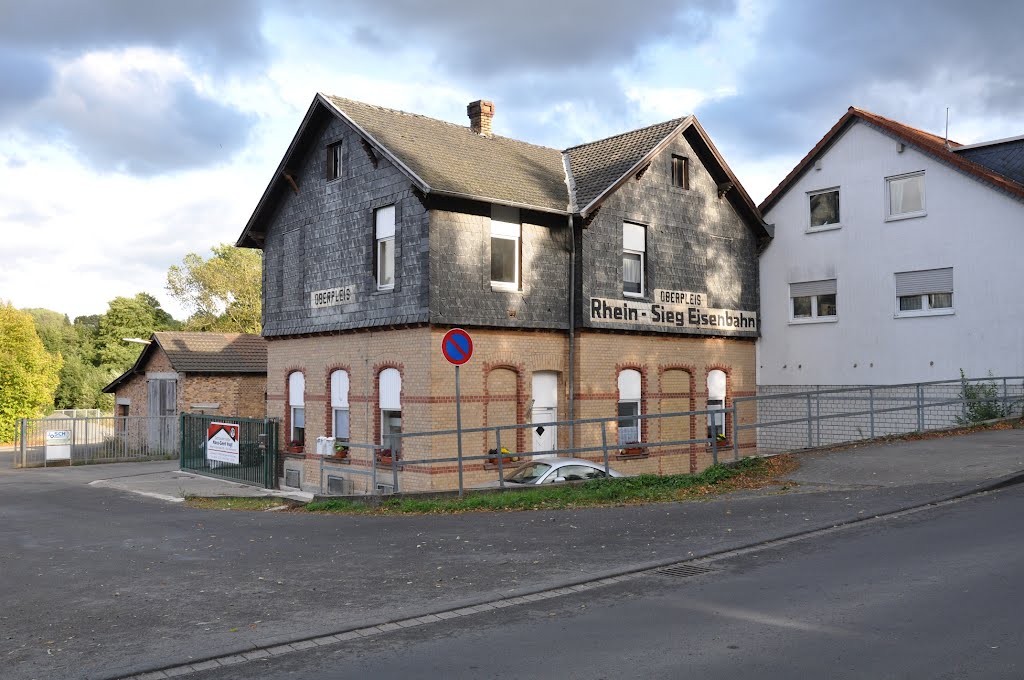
{"points": [[457, 346]]}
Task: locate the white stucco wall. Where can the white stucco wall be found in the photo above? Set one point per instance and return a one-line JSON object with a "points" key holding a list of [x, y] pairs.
{"points": [[969, 226]]}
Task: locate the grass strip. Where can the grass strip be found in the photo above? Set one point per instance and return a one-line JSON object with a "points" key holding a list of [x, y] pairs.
{"points": [[748, 473], [234, 503]]}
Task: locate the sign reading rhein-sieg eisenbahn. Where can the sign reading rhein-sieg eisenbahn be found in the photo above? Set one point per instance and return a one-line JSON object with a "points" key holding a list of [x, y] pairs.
{"points": [[675, 309]]}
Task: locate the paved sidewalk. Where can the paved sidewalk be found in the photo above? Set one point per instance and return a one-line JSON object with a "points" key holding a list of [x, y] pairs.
{"points": [[166, 482], [100, 582]]}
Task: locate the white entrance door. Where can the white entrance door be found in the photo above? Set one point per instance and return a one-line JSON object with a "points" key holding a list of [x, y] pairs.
{"points": [[545, 410]]}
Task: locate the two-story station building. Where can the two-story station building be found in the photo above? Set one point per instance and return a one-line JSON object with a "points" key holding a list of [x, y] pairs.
{"points": [[614, 278]]}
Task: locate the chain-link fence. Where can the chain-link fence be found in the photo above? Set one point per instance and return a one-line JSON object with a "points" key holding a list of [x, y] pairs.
{"points": [[59, 440]]}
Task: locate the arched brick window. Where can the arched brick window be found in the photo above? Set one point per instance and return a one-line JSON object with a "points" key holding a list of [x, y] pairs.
{"points": [[390, 402], [630, 392], [297, 408], [339, 405], [717, 388]]}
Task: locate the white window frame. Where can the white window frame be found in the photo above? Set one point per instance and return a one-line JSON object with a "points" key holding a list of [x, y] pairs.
{"points": [[814, 317], [889, 216], [636, 249], [718, 388], [811, 229], [630, 392], [385, 233], [925, 310], [506, 224], [296, 402], [339, 402]]}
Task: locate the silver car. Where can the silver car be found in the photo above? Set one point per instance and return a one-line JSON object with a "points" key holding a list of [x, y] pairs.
{"points": [[551, 470]]}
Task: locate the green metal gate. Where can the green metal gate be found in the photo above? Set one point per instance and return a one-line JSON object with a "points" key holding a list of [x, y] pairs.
{"points": [[257, 449]]}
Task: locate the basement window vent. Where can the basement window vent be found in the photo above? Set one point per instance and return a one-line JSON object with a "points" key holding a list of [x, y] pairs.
{"points": [[684, 570], [292, 478], [339, 486], [385, 488]]}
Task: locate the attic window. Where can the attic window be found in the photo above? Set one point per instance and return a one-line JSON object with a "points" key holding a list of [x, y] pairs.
{"points": [[680, 172], [334, 161]]}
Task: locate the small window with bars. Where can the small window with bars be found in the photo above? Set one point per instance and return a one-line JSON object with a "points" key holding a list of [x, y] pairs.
{"points": [[925, 292]]}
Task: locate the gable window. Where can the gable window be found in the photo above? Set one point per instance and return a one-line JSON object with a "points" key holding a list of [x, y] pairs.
{"points": [[297, 406], [824, 209], [384, 223], [634, 247], [905, 196], [680, 172], [813, 301], [334, 166], [506, 231], [339, 405], [629, 406], [924, 293]]}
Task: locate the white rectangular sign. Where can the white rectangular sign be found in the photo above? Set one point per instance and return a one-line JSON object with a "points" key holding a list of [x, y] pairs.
{"points": [[332, 297], [222, 442], [58, 445]]}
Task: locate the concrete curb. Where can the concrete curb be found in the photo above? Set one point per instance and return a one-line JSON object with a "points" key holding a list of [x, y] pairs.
{"points": [[282, 644]]}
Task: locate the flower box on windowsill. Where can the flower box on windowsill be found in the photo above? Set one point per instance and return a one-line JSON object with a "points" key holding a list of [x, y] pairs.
{"points": [[507, 459], [386, 459], [294, 447], [630, 452]]}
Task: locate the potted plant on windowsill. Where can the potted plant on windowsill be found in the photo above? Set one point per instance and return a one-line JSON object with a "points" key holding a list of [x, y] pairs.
{"points": [[340, 450], [385, 457], [633, 449], [294, 446], [506, 457]]}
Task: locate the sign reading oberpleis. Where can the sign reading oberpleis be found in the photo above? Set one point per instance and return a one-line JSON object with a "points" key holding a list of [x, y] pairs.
{"points": [[222, 442], [332, 297], [672, 308]]}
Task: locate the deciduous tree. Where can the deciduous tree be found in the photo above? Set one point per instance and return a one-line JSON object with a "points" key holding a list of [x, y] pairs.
{"points": [[222, 293], [28, 373]]}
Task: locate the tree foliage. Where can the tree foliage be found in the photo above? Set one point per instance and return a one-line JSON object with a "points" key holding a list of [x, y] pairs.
{"points": [[28, 373], [222, 293], [135, 317]]}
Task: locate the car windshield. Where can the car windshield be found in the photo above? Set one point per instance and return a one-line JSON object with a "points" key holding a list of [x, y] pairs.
{"points": [[528, 474]]}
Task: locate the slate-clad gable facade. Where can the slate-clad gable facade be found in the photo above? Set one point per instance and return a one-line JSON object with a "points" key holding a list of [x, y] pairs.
{"points": [[323, 237], [538, 355]]}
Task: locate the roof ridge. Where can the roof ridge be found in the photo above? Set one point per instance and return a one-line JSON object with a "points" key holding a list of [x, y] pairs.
{"points": [[678, 121], [897, 123], [437, 120]]}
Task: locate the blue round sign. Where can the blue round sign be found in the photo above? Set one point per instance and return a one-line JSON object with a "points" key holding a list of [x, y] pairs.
{"points": [[457, 346]]}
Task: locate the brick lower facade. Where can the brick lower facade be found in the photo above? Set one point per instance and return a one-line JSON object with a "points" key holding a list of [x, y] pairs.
{"points": [[497, 387]]}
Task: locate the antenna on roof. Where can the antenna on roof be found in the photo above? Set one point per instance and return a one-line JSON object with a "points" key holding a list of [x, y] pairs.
{"points": [[946, 140]]}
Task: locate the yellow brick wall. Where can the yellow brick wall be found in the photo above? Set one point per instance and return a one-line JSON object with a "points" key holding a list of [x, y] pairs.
{"points": [[238, 395], [496, 388]]}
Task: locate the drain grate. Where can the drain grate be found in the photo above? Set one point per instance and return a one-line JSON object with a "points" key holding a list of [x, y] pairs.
{"points": [[683, 570]]}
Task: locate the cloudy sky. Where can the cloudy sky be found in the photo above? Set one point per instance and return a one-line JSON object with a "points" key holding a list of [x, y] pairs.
{"points": [[133, 132]]}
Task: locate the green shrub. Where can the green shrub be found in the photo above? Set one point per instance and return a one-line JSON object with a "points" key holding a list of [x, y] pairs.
{"points": [[981, 401]]}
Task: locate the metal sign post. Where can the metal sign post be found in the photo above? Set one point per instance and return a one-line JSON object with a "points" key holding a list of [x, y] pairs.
{"points": [[457, 348]]}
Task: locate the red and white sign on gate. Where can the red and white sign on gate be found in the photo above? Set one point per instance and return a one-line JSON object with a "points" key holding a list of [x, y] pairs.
{"points": [[222, 442]]}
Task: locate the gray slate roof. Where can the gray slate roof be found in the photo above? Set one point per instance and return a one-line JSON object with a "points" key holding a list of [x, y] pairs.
{"points": [[453, 159], [217, 353], [214, 352], [1006, 158], [596, 166]]}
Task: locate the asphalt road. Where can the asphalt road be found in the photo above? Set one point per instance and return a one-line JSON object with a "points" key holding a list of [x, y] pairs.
{"points": [[935, 594]]}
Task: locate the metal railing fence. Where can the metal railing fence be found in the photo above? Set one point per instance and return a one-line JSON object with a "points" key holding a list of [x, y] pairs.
{"points": [[762, 424], [825, 417], [105, 439]]}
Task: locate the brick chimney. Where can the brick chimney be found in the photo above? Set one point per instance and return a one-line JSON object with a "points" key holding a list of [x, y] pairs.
{"points": [[480, 114]]}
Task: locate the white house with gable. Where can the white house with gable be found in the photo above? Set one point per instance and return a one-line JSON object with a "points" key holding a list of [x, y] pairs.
{"points": [[897, 258]]}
